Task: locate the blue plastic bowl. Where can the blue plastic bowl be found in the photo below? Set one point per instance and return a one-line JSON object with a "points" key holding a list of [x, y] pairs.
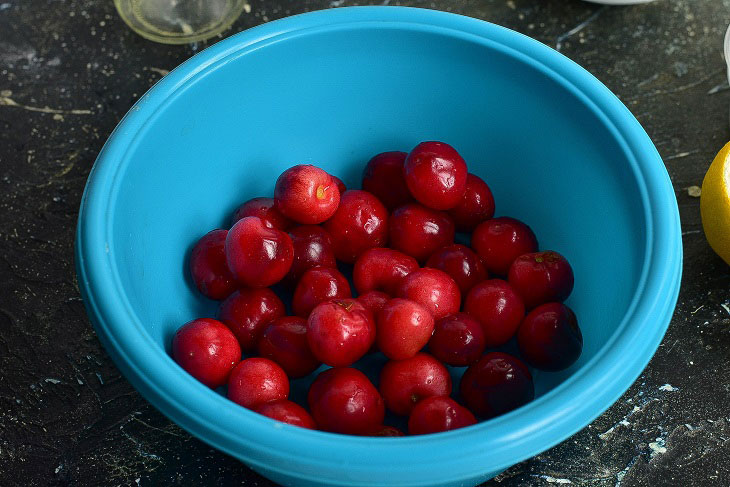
{"points": [[333, 88]]}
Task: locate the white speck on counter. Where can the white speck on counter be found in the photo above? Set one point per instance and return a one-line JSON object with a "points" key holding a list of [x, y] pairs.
{"points": [[657, 447], [53, 381], [668, 388], [553, 480]]}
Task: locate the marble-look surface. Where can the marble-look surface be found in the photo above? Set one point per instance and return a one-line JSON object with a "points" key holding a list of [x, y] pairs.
{"points": [[68, 72]]}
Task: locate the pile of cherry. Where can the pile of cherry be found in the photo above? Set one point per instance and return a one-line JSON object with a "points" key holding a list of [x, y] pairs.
{"points": [[461, 303]]}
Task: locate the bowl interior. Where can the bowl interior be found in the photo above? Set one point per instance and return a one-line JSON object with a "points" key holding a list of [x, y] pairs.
{"points": [[334, 98]]}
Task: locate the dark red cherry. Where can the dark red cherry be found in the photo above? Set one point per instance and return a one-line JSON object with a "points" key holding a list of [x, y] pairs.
{"points": [[209, 268], [500, 241], [541, 277], [435, 175], [549, 337], [383, 176], [496, 384], [419, 231]]}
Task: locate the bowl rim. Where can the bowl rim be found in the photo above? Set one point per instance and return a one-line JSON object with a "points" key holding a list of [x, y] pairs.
{"points": [[329, 458]]}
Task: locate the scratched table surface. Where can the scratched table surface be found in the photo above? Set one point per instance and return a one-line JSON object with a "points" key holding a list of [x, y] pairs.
{"points": [[69, 70]]}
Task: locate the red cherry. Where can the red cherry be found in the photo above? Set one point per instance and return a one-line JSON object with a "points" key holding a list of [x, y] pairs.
{"points": [[382, 270], [258, 256], [285, 342], [263, 208], [340, 332], [549, 337], [433, 289], [419, 231], [209, 268], [341, 187], [541, 277], [496, 384], [385, 430], [438, 413], [475, 206], [306, 194], [247, 313], [436, 175], [461, 263], [383, 176], [403, 383], [457, 340], [498, 308], [316, 286], [288, 412], [500, 241], [256, 381], [343, 400], [404, 327], [373, 301], [312, 248], [207, 350], [360, 223]]}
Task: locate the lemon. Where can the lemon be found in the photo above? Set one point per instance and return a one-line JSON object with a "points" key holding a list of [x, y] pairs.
{"points": [[715, 204]]}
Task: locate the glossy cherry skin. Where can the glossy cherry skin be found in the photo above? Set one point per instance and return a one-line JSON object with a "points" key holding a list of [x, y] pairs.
{"points": [[496, 384], [256, 381], [343, 400], [247, 312], [373, 301], [288, 412], [207, 350], [385, 430], [438, 413], [381, 269], [549, 337], [258, 256], [461, 263], [433, 289], [306, 194], [435, 175], [360, 223], [209, 268], [403, 383], [316, 286], [500, 241], [419, 231], [475, 206], [263, 208], [339, 183], [383, 177], [457, 340], [541, 277], [498, 308], [312, 248], [285, 342], [340, 332], [404, 328]]}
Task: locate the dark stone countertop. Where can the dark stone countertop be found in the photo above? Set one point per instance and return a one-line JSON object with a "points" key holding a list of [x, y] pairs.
{"points": [[68, 72]]}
